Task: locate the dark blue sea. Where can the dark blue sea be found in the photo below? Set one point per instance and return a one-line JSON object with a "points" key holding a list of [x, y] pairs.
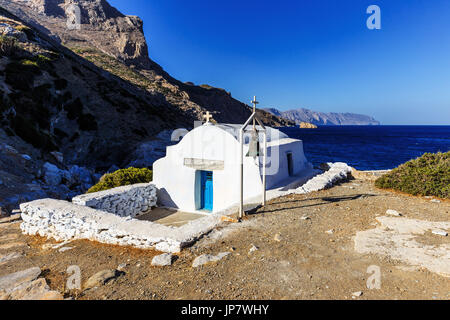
{"points": [[371, 147]]}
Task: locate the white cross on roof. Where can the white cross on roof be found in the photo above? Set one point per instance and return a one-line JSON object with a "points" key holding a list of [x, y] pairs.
{"points": [[208, 116]]}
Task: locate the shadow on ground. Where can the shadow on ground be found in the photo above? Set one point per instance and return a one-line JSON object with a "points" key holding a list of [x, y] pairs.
{"points": [[325, 200]]}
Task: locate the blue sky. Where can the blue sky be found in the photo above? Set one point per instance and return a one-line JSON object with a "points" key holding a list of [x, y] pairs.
{"points": [[315, 54]]}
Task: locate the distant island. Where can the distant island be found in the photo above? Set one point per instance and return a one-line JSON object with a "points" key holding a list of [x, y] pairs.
{"points": [[324, 119]]}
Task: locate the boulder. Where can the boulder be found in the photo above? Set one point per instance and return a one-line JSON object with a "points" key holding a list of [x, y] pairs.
{"points": [[307, 125], [100, 278], [52, 174], [208, 258], [35, 290], [393, 213], [163, 260], [80, 174], [14, 281]]}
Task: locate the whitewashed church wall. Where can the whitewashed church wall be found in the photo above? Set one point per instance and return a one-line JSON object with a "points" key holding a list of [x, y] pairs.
{"points": [[278, 173], [177, 184], [128, 201]]}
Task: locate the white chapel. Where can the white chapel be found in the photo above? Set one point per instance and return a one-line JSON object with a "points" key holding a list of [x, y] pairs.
{"points": [[203, 172]]}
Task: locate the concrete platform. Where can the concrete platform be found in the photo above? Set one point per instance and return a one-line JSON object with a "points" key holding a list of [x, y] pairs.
{"points": [[170, 217]]}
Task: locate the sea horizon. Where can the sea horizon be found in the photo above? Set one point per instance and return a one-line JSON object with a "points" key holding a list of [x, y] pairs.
{"points": [[381, 147]]}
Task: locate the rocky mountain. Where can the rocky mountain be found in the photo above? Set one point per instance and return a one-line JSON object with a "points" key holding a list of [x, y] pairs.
{"points": [[116, 42], [63, 120], [74, 103], [324, 119]]}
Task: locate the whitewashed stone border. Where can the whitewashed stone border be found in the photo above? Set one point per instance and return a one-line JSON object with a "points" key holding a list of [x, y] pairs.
{"points": [[64, 221], [337, 172], [128, 201]]}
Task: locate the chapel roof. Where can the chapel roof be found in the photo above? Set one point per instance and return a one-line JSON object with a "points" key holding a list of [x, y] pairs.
{"points": [[233, 129]]}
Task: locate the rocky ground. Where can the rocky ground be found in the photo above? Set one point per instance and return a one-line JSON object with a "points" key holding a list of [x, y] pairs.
{"points": [[298, 247]]}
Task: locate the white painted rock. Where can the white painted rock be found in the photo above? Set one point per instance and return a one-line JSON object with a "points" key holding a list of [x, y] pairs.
{"points": [[357, 294], [393, 213], [440, 233], [253, 249], [122, 267], [162, 260], [278, 238], [208, 258]]}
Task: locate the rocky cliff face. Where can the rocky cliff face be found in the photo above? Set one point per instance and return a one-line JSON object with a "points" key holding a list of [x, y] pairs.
{"points": [[307, 125], [64, 120], [101, 26], [325, 119], [106, 33]]}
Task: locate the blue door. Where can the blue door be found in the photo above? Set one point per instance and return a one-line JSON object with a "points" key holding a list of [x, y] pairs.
{"points": [[207, 190]]}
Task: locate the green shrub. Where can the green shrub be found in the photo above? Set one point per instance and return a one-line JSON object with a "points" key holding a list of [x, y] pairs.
{"points": [[428, 175], [29, 63], [124, 177]]}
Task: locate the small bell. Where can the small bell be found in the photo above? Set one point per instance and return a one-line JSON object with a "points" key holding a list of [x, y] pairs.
{"points": [[254, 150]]}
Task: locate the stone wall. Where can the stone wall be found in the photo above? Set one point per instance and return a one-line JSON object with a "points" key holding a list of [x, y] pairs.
{"points": [[128, 201], [63, 221], [336, 172]]}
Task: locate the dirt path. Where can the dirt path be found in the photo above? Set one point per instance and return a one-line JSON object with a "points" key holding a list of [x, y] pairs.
{"points": [[306, 250]]}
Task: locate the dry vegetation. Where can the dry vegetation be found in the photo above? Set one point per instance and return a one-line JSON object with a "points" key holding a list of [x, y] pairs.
{"points": [[428, 175], [122, 177]]}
